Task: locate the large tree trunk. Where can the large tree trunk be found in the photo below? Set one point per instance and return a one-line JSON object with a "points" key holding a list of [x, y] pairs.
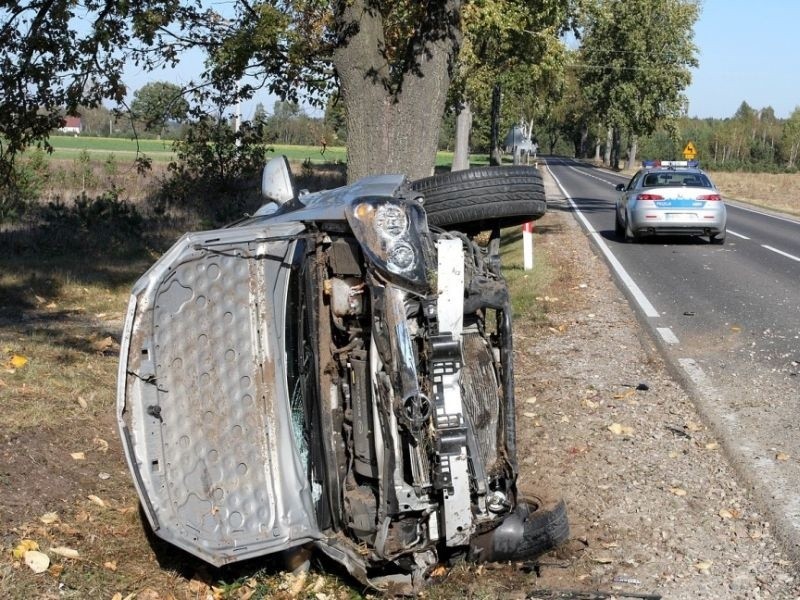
{"points": [[632, 151], [463, 128], [393, 120], [609, 143]]}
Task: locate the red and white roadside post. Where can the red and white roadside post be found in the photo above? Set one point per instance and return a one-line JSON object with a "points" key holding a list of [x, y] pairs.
{"points": [[527, 245]]}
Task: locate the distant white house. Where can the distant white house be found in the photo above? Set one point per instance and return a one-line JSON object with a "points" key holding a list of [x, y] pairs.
{"points": [[72, 125]]}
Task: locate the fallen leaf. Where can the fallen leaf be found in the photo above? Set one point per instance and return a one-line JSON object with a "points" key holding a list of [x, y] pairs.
{"points": [[23, 547], [18, 361], [111, 565], [609, 545], [48, 518], [729, 513], [692, 426], [78, 456], [103, 475], [101, 444], [39, 299], [37, 561], [590, 404], [735, 328], [439, 571], [96, 500], [116, 596], [530, 415], [678, 491], [82, 402], [712, 446], [101, 346], [531, 400], [65, 552], [56, 570], [781, 456], [703, 566], [618, 429], [603, 560]]}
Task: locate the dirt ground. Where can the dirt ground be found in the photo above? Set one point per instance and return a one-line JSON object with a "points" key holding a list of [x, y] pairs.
{"points": [[655, 508]]}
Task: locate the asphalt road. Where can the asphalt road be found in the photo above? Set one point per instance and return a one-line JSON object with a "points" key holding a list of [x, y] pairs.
{"points": [[728, 320]]}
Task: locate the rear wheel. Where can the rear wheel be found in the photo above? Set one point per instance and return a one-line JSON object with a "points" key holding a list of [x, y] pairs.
{"points": [[718, 238], [629, 235], [483, 198]]}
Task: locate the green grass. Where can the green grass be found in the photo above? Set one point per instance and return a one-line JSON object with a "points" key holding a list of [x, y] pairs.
{"points": [[70, 147], [525, 286]]}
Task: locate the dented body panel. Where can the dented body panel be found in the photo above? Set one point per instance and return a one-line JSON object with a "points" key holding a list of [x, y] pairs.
{"points": [[328, 372]]}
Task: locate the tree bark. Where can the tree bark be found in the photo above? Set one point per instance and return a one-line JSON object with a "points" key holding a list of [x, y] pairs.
{"points": [[632, 151], [609, 142], [463, 128], [393, 120]]}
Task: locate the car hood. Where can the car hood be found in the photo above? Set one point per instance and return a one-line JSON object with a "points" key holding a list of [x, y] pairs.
{"points": [[202, 401]]}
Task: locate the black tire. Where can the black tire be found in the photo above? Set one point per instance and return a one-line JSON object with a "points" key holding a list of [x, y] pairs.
{"points": [[628, 232], [717, 238], [535, 527], [619, 228], [546, 526], [483, 198]]}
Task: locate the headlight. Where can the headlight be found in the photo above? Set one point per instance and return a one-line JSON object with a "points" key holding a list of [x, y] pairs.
{"points": [[394, 235], [391, 220]]}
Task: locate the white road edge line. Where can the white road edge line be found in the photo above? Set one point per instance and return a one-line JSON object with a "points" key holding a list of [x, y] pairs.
{"points": [[781, 252], [648, 309], [667, 335], [766, 214], [739, 235]]}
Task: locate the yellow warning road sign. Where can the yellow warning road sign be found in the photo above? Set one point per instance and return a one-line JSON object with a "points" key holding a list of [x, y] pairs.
{"points": [[690, 152]]}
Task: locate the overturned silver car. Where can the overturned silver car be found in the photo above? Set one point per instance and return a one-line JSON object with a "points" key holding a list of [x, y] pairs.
{"points": [[335, 371]]}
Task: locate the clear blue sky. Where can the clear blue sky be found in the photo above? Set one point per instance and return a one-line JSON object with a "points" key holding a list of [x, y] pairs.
{"points": [[749, 50]]}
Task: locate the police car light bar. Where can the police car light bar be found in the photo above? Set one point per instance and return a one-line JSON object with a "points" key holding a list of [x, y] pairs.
{"points": [[670, 163]]}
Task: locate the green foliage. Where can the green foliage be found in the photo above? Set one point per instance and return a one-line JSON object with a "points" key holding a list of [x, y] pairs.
{"points": [[216, 170], [516, 44], [23, 186], [635, 61], [157, 103]]}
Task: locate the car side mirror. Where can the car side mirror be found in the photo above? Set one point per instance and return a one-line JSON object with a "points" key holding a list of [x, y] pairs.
{"points": [[620, 187], [277, 184]]}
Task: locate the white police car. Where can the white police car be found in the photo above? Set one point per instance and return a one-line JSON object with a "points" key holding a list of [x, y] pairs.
{"points": [[670, 198]]}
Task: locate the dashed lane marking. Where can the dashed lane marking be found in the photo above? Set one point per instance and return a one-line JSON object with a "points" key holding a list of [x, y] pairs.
{"points": [[739, 235], [781, 252], [667, 335]]}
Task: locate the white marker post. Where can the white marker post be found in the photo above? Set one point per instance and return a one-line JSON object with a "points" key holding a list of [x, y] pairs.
{"points": [[527, 245]]}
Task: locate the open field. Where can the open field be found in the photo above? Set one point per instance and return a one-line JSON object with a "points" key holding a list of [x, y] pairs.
{"points": [[776, 191], [70, 148]]}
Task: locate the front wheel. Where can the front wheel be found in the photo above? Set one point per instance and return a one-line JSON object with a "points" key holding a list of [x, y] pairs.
{"points": [[619, 228]]}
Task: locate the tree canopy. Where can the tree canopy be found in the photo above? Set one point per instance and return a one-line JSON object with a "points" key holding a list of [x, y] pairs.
{"points": [[157, 103], [635, 60]]}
